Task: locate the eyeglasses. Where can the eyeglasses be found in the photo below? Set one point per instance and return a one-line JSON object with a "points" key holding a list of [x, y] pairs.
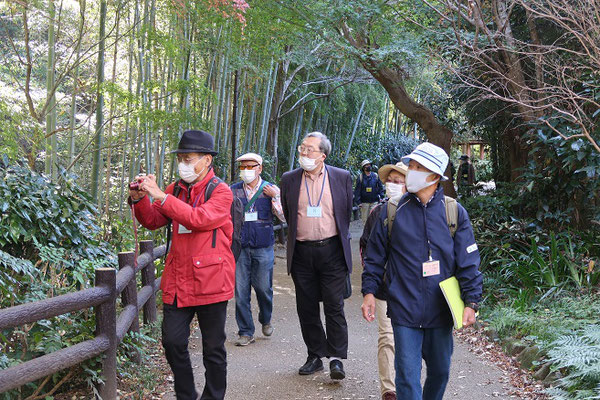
{"points": [[186, 159], [243, 167], [307, 150]]}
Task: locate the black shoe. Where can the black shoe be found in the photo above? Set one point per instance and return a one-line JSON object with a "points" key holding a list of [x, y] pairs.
{"points": [[336, 370], [312, 365]]}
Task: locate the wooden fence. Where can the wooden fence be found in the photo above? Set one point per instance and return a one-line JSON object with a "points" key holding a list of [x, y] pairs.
{"points": [[110, 327]]}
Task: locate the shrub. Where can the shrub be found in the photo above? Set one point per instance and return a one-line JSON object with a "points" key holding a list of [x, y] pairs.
{"points": [[48, 247]]}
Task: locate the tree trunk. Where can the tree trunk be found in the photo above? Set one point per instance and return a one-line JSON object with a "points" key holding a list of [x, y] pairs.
{"points": [[234, 126], [110, 124], [99, 132], [128, 146], [296, 133], [517, 151], [356, 123], [392, 81], [251, 120], [71, 153], [267, 107], [51, 149]]}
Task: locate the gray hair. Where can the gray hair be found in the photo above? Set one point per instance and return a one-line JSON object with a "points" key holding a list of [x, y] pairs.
{"points": [[325, 145]]}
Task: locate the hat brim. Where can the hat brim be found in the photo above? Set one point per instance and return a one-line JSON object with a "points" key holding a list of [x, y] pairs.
{"points": [[385, 170], [426, 163], [211, 152]]}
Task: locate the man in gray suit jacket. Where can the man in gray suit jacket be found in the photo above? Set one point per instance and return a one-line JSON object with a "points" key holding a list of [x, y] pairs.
{"points": [[317, 204]]}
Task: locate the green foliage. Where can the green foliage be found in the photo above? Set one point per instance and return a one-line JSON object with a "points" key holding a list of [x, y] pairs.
{"points": [[558, 314], [579, 354], [540, 285], [560, 185], [48, 247], [379, 148], [483, 170]]}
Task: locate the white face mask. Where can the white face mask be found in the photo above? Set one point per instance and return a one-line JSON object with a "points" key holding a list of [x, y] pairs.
{"points": [[247, 175], [307, 164], [394, 190], [187, 172], [417, 180]]}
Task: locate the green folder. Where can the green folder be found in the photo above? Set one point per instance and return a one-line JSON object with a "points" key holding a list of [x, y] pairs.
{"points": [[451, 290]]}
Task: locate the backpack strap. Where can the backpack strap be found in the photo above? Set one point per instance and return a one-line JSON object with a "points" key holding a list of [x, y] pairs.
{"points": [[451, 214], [392, 207], [212, 184], [176, 191]]}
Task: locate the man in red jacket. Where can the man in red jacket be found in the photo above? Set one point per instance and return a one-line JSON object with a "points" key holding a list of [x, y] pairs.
{"points": [[199, 275]]}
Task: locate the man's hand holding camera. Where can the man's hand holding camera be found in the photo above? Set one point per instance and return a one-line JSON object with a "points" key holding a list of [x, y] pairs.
{"points": [[143, 185]]}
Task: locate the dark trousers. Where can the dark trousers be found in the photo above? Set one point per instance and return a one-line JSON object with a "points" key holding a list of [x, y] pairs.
{"points": [[175, 336], [320, 273]]}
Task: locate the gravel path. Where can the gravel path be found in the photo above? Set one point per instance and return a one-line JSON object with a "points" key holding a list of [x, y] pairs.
{"points": [[268, 368]]}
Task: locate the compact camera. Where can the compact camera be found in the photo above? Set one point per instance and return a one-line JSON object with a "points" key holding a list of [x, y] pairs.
{"points": [[135, 185]]}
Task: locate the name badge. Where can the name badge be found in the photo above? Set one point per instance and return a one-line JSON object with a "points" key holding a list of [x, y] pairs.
{"points": [[431, 268], [183, 229], [314, 212], [251, 216], [369, 190]]}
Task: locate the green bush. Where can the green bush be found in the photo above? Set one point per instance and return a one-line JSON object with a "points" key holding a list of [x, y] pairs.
{"points": [[540, 284], [578, 353], [483, 170], [48, 247]]}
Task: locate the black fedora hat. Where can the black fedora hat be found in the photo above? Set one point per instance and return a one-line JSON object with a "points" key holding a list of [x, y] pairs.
{"points": [[196, 142]]}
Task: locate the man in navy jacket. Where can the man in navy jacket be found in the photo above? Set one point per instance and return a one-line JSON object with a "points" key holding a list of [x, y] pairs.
{"points": [[421, 253], [368, 191]]}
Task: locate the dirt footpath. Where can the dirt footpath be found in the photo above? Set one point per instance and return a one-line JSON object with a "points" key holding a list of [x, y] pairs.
{"points": [[268, 368]]}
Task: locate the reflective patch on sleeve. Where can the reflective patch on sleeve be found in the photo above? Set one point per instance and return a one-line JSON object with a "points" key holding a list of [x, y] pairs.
{"points": [[472, 248]]}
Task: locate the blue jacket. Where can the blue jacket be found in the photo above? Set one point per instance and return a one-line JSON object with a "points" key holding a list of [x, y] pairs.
{"points": [[413, 300], [369, 189]]}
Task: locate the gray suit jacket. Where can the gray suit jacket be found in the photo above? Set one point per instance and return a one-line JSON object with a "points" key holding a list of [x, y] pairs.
{"points": [[340, 183]]}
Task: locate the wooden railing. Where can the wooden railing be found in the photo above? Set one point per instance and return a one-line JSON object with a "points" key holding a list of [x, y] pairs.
{"points": [[110, 327]]}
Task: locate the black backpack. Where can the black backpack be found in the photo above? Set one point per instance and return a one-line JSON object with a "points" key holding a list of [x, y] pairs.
{"points": [[237, 218]]}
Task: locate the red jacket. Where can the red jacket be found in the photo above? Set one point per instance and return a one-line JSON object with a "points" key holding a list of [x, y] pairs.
{"points": [[195, 272]]}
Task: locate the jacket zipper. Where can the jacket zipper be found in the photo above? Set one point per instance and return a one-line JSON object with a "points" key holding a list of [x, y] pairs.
{"points": [[423, 285]]}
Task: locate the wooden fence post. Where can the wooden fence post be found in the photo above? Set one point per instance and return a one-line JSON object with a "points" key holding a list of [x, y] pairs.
{"points": [[106, 324], [148, 277], [129, 296]]}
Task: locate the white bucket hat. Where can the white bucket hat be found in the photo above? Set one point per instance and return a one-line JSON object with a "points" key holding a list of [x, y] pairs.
{"points": [[430, 156], [364, 162]]}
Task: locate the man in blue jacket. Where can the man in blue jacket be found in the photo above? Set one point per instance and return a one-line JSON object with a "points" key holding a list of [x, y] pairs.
{"points": [[419, 253], [368, 191]]}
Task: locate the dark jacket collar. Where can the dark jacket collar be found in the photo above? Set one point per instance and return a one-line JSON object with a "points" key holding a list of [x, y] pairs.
{"points": [[437, 196]]}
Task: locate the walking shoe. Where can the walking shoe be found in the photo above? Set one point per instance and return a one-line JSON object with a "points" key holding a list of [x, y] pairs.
{"points": [[244, 340], [336, 370], [267, 329], [312, 365], [389, 396]]}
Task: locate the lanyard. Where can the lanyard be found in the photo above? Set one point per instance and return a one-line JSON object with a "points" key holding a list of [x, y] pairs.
{"points": [[322, 190], [250, 203]]}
